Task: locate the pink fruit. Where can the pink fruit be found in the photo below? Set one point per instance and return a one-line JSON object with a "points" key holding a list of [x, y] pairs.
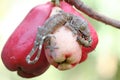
{"points": [[69, 53], [21, 42]]}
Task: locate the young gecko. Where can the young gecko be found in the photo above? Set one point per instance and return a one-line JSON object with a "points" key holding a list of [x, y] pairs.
{"points": [[75, 23]]}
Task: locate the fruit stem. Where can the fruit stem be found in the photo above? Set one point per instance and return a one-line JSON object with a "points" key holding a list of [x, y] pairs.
{"points": [[56, 2]]}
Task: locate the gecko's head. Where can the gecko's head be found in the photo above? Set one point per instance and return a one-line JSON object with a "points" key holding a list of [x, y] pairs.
{"points": [[83, 31]]}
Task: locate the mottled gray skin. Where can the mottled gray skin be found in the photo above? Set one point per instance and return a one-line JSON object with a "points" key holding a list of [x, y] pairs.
{"points": [[76, 24]]}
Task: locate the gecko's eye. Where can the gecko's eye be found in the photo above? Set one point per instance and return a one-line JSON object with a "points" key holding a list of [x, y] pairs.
{"points": [[83, 35], [83, 26]]}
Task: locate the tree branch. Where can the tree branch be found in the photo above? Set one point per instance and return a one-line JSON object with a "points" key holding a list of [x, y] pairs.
{"points": [[93, 14]]}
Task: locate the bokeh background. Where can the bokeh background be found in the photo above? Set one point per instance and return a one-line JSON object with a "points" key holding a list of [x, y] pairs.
{"points": [[102, 64]]}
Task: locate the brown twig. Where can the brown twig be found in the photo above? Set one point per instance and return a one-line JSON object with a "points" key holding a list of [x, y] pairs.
{"points": [[93, 14]]}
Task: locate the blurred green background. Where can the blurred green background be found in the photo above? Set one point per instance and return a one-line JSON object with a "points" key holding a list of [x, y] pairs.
{"points": [[102, 64]]}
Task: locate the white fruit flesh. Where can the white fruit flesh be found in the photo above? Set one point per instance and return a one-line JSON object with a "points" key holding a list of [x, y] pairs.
{"points": [[68, 53]]}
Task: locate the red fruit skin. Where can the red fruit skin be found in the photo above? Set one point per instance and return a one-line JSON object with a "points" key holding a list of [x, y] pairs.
{"points": [[85, 50], [21, 42]]}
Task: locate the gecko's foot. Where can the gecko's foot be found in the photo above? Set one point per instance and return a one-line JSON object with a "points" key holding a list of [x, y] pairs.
{"points": [[50, 44]]}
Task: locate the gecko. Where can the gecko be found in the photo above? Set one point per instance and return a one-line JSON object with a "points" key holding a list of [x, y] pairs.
{"points": [[75, 23]]}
